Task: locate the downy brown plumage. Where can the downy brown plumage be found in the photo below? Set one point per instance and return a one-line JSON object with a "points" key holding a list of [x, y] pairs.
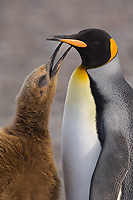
{"points": [[27, 166]]}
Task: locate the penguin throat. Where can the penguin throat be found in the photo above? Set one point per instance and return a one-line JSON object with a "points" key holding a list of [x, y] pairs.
{"points": [[81, 75], [79, 85]]}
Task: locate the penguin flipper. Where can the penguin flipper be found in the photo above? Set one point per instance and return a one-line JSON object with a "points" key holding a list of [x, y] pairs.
{"points": [[111, 168]]}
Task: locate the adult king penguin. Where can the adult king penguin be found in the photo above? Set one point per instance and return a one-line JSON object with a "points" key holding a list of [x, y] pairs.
{"points": [[97, 129]]}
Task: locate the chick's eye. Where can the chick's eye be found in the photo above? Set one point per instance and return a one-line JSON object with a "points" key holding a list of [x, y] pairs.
{"points": [[42, 81], [96, 42], [41, 92], [42, 78]]}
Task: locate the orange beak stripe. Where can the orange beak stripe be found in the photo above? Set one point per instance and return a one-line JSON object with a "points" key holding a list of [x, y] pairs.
{"points": [[73, 42]]}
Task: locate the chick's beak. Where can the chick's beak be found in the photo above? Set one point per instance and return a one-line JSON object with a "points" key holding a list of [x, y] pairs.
{"points": [[54, 69]]}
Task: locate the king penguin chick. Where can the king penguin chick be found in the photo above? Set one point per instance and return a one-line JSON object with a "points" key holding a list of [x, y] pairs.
{"points": [[27, 166], [97, 129]]}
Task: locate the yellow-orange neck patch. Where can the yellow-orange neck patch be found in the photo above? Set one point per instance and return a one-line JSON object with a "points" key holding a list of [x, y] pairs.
{"points": [[79, 87], [80, 74]]}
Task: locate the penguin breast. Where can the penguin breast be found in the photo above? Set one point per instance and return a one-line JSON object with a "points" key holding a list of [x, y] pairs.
{"points": [[80, 143]]}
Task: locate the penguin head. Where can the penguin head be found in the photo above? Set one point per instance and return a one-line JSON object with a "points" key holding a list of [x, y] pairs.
{"points": [[39, 86], [96, 47]]}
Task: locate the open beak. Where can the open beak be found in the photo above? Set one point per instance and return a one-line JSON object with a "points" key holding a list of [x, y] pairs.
{"points": [[54, 69], [69, 39]]}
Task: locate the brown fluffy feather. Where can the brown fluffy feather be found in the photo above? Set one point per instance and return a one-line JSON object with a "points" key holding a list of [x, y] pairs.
{"points": [[27, 166]]}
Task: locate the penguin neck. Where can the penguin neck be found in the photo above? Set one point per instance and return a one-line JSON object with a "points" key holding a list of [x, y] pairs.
{"points": [[107, 77], [32, 120]]}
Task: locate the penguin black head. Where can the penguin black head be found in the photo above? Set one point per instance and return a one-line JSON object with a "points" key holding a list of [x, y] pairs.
{"points": [[96, 47]]}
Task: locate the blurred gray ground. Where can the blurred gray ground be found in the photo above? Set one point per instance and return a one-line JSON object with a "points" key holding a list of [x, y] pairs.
{"points": [[24, 25]]}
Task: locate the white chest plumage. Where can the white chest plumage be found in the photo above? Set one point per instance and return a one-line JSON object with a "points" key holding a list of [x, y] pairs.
{"points": [[80, 144]]}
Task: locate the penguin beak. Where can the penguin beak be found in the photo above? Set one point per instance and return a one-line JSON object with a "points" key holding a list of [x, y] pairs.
{"points": [[70, 39], [54, 69]]}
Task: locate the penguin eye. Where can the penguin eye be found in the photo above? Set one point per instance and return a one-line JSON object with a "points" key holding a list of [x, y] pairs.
{"points": [[96, 42], [41, 92], [42, 81]]}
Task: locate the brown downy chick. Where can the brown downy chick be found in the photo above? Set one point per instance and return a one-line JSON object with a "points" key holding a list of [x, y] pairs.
{"points": [[27, 166]]}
